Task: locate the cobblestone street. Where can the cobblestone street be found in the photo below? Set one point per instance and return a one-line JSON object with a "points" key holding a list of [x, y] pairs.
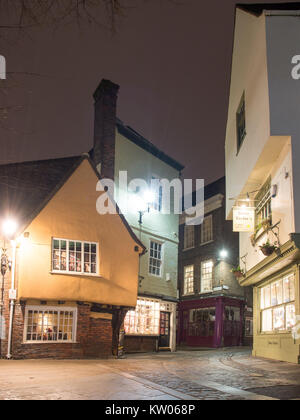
{"points": [[228, 374]]}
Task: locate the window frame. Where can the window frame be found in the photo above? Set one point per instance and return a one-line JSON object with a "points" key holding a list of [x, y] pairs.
{"points": [[67, 271], [59, 309], [160, 275], [185, 291], [186, 228], [264, 203], [201, 274], [209, 217], [241, 111]]}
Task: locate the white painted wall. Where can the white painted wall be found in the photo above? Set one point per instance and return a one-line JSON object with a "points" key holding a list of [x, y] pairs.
{"points": [[249, 74]]}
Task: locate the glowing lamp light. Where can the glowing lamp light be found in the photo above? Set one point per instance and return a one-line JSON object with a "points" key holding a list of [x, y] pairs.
{"points": [[9, 228], [149, 196], [223, 253]]}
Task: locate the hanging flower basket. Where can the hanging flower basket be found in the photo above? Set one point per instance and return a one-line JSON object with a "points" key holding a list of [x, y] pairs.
{"points": [[238, 272], [267, 249]]}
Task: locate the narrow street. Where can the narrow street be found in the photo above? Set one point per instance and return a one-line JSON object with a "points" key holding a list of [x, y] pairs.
{"points": [[228, 374]]}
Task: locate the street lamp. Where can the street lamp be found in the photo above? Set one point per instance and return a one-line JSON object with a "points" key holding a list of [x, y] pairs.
{"points": [[142, 203], [223, 253], [9, 228]]}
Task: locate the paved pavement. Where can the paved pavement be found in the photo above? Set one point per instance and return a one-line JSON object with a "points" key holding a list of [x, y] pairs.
{"points": [[227, 374]]}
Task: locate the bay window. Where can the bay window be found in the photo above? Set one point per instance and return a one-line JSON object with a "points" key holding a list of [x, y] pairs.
{"points": [[74, 256], [277, 304]]}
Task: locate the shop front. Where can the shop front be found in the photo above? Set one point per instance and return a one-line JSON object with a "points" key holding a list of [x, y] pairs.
{"points": [[275, 281], [211, 322], [151, 326]]}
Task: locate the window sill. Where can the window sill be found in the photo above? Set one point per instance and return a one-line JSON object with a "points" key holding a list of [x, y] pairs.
{"points": [[270, 333], [72, 273], [206, 243], [141, 334], [206, 292], [49, 342], [188, 249]]}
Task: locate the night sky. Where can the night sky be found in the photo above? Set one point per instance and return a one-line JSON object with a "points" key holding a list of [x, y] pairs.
{"points": [[172, 62]]}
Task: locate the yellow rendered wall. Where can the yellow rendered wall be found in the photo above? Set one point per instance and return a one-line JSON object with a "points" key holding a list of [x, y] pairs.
{"points": [[71, 214], [280, 346]]}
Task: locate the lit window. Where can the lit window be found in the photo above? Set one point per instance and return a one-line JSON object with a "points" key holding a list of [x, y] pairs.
{"points": [[144, 320], [188, 286], [50, 324], [206, 276], [277, 305], [207, 230], [155, 258], [74, 256], [189, 236], [263, 207]]}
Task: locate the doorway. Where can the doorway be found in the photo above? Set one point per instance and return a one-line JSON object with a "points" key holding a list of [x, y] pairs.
{"points": [[164, 337]]}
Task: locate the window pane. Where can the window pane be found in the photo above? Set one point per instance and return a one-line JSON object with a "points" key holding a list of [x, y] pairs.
{"points": [[276, 293], [290, 316], [267, 320], [278, 318], [267, 292]]}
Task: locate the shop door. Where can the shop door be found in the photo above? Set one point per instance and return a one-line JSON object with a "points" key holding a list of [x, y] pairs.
{"points": [[164, 338]]}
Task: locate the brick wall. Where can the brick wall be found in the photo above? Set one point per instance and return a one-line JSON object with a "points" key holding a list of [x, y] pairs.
{"points": [[133, 344], [105, 127], [94, 338]]}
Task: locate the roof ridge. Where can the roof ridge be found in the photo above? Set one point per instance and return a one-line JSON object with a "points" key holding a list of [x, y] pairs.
{"points": [[24, 162]]}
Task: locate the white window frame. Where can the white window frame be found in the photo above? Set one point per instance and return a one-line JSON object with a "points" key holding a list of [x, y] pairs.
{"points": [[67, 271], [188, 281], [162, 258], [187, 229], [211, 230], [53, 309], [201, 277]]}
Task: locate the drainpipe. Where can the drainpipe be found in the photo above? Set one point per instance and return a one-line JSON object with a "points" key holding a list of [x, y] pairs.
{"points": [[12, 297]]}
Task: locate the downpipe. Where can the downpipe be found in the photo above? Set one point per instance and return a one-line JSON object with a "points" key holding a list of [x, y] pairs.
{"points": [[12, 301]]}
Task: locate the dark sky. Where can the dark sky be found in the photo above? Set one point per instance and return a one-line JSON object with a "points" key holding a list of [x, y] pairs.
{"points": [[172, 62]]}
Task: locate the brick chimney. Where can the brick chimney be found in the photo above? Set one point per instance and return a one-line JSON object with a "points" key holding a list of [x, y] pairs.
{"points": [[103, 154]]}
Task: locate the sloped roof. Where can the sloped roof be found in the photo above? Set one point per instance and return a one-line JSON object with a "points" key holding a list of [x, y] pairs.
{"points": [[26, 188], [257, 8], [145, 144]]}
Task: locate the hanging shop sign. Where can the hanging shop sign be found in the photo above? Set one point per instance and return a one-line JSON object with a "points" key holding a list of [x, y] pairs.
{"points": [[243, 219]]}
